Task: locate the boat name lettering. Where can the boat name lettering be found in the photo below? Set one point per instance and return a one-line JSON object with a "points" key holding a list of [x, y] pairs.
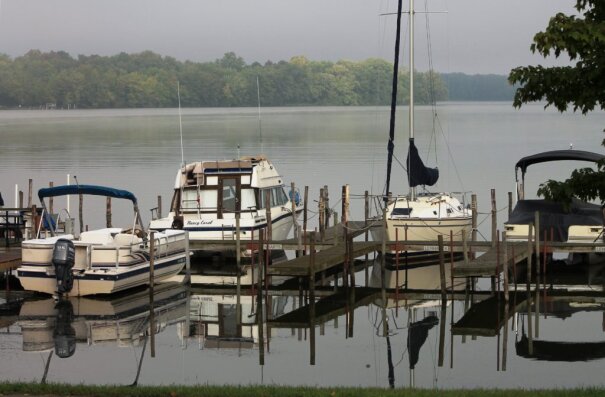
{"points": [[199, 222]]}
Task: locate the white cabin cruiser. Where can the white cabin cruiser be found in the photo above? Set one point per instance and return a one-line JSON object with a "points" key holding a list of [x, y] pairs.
{"points": [[102, 261], [209, 194]]}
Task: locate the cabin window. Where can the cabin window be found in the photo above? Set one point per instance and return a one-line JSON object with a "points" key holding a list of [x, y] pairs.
{"points": [[194, 199], [402, 211], [248, 200], [229, 195], [280, 196]]}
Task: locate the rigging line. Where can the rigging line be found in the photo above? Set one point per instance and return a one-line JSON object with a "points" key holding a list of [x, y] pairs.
{"points": [[449, 152], [431, 80]]}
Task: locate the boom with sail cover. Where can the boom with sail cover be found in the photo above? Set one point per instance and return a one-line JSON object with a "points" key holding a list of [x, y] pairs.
{"points": [[418, 173]]}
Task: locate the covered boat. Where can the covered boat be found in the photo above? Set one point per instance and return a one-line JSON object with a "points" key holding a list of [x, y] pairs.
{"points": [[580, 222]]}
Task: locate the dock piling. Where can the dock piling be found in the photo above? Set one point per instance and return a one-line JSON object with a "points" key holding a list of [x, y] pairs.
{"points": [[108, 211], [494, 217]]}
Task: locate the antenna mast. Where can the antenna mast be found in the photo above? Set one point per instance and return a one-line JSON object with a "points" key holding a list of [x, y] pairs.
{"points": [[260, 130], [178, 93]]}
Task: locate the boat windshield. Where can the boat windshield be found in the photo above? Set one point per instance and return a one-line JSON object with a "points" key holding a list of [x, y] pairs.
{"points": [[278, 197]]}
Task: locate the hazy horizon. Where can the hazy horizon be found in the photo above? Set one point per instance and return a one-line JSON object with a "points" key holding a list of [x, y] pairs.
{"points": [[467, 36]]}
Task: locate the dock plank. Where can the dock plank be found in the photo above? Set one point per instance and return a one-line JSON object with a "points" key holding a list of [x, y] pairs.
{"points": [[490, 263], [324, 260]]}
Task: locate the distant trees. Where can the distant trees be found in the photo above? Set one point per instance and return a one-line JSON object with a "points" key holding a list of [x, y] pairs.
{"points": [[147, 79]]}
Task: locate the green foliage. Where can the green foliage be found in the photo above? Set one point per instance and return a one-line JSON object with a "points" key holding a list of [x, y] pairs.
{"points": [[149, 80], [581, 85], [583, 40]]}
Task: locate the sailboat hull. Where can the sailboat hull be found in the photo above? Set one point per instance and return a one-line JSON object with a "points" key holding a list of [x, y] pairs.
{"points": [[439, 215]]}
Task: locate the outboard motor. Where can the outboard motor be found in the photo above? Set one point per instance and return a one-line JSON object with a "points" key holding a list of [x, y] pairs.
{"points": [[64, 334], [64, 257]]}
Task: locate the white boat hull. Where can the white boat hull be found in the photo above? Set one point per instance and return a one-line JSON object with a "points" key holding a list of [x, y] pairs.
{"points": [[106, 262], [437, 215]]}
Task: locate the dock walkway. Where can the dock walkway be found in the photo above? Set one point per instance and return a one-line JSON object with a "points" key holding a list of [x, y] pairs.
{"points": [[491, 262]]}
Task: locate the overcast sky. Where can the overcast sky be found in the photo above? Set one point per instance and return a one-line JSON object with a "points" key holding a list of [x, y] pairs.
{"points": [[472, 36]]}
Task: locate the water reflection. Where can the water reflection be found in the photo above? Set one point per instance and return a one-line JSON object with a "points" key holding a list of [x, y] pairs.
{"points": [[295, 339]]}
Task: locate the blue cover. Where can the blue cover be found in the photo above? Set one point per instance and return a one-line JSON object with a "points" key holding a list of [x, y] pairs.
{"points": [[85, 189]]}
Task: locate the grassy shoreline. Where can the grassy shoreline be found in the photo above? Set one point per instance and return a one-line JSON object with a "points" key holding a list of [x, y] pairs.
{"points": [[15, 389]]}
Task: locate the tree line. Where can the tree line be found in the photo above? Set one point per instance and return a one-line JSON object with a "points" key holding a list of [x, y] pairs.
{"points": [[147, 79]]}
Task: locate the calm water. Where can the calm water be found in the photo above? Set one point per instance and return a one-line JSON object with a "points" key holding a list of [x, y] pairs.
{"points": [[139, 150]]}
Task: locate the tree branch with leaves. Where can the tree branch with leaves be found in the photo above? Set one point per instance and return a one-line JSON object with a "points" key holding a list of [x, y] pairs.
{"points": [[581, 86]]}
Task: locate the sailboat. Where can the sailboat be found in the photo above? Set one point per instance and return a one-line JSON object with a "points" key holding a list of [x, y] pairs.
{"points": [[418, 216]]}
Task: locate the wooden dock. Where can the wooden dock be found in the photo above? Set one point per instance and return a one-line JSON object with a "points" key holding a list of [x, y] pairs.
{"points": [[491, 262]]}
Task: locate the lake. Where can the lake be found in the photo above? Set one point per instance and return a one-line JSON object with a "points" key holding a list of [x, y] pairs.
{"points": [[198, 340]]}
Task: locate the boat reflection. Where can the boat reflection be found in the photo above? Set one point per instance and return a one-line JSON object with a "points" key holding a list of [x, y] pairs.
{"points": [[125, 320], [556, 309]]}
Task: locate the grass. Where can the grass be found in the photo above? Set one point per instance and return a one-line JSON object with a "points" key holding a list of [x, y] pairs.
{"points": [[274, 391]]}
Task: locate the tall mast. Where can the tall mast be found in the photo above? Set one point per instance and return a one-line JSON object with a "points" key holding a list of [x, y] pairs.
{"points": [[411, 107], [390, 144]]}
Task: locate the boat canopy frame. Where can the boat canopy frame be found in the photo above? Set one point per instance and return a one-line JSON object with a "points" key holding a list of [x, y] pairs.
{"points": [[93, 190], [553, 155]]}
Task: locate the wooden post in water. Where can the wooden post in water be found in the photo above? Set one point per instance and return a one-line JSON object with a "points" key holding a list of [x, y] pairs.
{"points": [[505, 267], [473, 221], [159, 207], [293, 209], [366, 234], [268, 235], [305, 207], [108, 211], [312, 299], [465, 247], [441, 266], [442, 319], [326, 208], [151, 303], [351, 260], [345, 204], [529, 254], [494, 217], [383, 271], [34, 226], [238, 267], [187, 260], [259, 300], [29, 193], [80, 212], [537, 237], [322, 214], [50, 200]]}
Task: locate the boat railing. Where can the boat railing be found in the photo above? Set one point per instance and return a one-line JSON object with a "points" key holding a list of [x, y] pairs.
{"points": [[162, 250]]}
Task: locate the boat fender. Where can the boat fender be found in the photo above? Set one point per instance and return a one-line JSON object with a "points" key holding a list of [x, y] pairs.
{"points": [[64, 258], [295, 196]]}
